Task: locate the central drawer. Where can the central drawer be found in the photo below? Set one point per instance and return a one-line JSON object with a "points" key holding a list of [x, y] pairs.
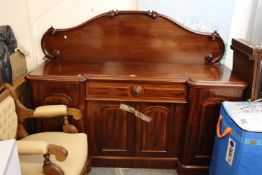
{"points": [[136, 92]]}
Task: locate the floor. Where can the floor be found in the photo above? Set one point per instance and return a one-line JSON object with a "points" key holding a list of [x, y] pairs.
{"points": [[130, 171]]}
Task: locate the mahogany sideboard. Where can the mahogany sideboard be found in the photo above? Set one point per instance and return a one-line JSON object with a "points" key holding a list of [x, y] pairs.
{"points": [[155, 65]]}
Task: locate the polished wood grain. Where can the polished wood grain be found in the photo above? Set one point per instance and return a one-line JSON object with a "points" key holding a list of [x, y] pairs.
{"points": [[148, 139], [204, 104], [75, 73], [132, 36], [162, 136], [114, 129], [56, 93], [152, 63], [127, 92], [248, 62]]}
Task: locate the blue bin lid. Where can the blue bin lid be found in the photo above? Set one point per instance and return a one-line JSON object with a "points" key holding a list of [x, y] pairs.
{"points": [[247, 115]]}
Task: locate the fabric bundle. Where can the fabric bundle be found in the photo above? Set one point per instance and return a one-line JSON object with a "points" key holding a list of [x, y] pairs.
{"points": [[7, 47]]}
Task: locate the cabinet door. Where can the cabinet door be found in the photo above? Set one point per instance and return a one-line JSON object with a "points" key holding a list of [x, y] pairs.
{"points": [[209, 112], [203, 115], [160, 137], [114, 129]]}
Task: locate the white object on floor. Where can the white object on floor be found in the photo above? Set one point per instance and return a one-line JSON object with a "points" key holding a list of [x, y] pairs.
{"points": [[9, 162]]}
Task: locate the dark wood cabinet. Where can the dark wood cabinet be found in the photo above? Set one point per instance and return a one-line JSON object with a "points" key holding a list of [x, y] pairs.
{"points": [[120, 133], [204, 104], [113, 128], [154, 65]]}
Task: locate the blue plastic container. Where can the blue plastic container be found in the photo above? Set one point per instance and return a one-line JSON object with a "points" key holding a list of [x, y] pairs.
{"points": [[238, 143]]}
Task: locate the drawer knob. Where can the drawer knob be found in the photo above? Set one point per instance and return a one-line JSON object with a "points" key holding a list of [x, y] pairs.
{"points": [[136, 91]]}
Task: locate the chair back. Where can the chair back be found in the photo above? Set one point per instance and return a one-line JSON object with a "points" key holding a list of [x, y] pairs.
{"points": [[8, 116]]}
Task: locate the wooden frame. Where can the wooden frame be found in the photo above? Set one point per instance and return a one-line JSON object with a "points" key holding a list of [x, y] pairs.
{"points": [[248, 62], [23, 113], [138, 37], [152, 63]]}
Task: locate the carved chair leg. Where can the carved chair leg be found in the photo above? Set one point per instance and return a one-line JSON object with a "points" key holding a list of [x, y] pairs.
{"points": [[68, 128], [88, 165], [50, 168]]}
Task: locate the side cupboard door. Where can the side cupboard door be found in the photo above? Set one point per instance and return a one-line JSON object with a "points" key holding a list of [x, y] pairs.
{"points": [[202, 119]]}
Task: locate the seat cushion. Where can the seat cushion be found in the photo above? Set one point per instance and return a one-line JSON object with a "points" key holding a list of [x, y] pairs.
{"points": [[76, 145]]}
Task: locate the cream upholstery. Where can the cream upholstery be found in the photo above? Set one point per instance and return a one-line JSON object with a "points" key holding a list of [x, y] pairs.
{"points": [[50, 110], [70, 149], [76, 145], [8, 119], [31, 147]]}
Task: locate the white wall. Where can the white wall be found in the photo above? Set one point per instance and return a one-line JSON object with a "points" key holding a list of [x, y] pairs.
{"points": [[201, 15], [255, 28], [240, 25], [230, 18], [31, 18], [15, 14]]}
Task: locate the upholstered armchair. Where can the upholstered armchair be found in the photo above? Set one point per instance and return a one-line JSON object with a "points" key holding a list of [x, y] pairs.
{"points": [[52, 153]]}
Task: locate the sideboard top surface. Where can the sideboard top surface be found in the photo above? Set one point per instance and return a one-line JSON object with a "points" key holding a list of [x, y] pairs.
{"points": [[135, 72]]}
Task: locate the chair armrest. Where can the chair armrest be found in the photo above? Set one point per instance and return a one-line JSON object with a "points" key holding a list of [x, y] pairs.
{"points": [[59, 152], [25, 147], [56, 110], [76, 113], [50, 111], [28, 147], [59, 110]]}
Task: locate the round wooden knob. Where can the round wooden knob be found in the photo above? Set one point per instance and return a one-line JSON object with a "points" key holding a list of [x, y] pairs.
{"points": [[136, 91], [56, 53]]}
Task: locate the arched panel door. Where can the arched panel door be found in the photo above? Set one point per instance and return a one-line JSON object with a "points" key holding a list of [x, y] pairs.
{"points": [[114, 130], [209, 110], [158, 138]]}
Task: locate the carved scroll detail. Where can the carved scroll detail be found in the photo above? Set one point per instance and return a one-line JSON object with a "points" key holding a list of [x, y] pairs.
{"points": [[51, 168], [112, 13], [213, 36], [55, 53], [52, 31], [210, 59], [153, 14]]}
